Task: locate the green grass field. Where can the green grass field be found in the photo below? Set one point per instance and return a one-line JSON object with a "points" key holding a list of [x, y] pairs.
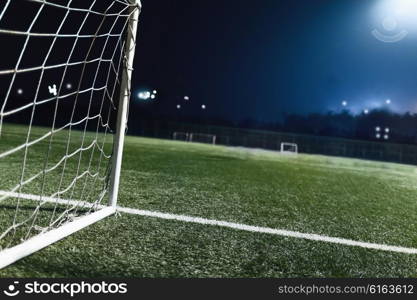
{"points": [[337, 197]]}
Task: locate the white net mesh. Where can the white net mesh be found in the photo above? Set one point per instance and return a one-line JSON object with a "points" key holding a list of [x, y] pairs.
{"points": [[60, 73]]}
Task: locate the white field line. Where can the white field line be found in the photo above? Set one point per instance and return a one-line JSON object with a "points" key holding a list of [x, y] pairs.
{"points": [[280, 232], [236, 226]]}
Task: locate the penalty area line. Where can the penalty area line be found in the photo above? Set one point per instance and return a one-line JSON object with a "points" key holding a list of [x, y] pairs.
{"points": [[236, 226]]}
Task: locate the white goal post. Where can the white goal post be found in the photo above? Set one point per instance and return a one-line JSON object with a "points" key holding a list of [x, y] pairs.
{"points": [[289, 148], [181, 136], [63, 116]]}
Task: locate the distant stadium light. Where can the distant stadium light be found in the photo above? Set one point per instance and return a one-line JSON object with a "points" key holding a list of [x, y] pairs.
{"points": [[144, 95], [386, 137], [53, 89], [378, 136], [377, 129], [203, 106], [387, 130], [388, 101], [344, 103], [186, 98], [20, 91], [178, 106], [154, 92], [153, 96], [366, 111]]}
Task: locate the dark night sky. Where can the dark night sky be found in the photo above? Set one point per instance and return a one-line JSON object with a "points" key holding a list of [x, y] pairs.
{"points": [[247, 59]]}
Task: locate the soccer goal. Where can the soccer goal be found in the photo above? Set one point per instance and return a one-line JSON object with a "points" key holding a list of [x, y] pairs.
{"points": [[202, 138], [289, 148], [65, 72], [181, 136]]}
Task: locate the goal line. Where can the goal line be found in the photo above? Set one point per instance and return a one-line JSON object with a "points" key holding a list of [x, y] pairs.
{"points": [[105, 210]]}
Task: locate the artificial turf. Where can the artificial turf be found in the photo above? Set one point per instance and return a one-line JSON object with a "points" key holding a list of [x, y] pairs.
{"points": [[339, 197]]}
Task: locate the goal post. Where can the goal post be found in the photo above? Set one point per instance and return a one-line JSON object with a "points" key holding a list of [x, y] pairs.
{"points": [[63, 117], [289, 148], [180, 136], [125, 94]]}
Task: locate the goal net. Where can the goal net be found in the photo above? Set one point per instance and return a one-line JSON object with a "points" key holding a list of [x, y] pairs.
{"points": [[202, 138], [289, 148], [65, 71]]}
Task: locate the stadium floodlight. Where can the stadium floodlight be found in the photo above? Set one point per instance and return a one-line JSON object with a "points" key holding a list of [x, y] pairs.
{"points": [[186, 98], [178, 106], [386, 136], [73, 180], [289, 148], [377, 129], [388, 101], [53, 89], [344, 103], [20, 91], [366, 111], [378, 135], [387, 130], [403, 11], [396, 19], [203, 106], [154, 92], [153, 96], [144, 95]]}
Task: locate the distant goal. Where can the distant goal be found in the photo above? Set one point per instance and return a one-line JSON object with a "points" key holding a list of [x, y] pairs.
{"points": [[195, 137], [180, 136], [289, 148], [65, 74]]}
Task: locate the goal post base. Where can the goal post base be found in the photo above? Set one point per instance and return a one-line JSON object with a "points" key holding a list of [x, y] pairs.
{"points": [[11, 255]]}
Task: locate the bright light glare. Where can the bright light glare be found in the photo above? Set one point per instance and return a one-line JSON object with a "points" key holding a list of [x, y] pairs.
{"points": [[20, 91], [393, 14], [389, 24], [404, 7], [366, 111], [378, 129], [388, 101], [144, 95], [203, 106], [344, 103], [186, 98]]}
